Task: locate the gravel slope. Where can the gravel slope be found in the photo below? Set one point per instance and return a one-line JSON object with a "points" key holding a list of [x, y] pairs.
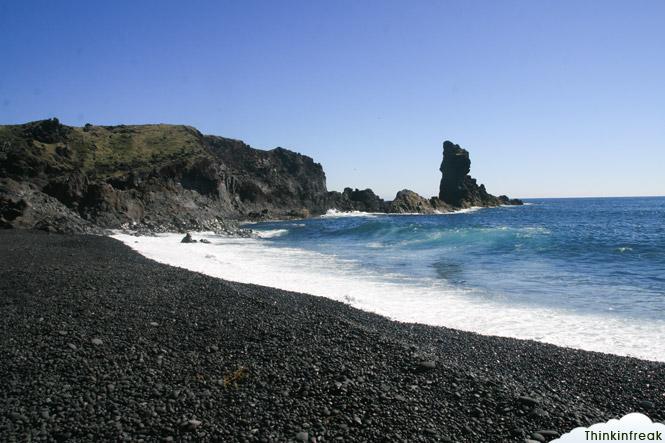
{"points": [[101, 344]]}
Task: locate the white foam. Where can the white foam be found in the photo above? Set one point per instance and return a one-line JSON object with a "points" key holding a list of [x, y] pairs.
{"points": [[335, 213], [270, 233], [466, 210], [252, 260], [332, 213]]}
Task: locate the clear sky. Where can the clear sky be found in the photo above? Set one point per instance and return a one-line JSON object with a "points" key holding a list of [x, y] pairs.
{"points": [[552, 98]]}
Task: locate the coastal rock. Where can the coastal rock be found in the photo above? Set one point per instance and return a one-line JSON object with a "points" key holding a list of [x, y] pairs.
{"points": [[275, 183], [158, 178], [364, 200], [505, 200], [148, 178], [188, 239], [22, 205], [457, 187], [408, 202], [439, 205]]}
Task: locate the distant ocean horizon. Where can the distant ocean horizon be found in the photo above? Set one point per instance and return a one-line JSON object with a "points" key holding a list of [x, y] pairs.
{"points": [[592, 196], [575, 197], [583, 272]]}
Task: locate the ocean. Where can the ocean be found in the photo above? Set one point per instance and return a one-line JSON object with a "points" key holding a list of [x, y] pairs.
{"points": [[586, 273]]}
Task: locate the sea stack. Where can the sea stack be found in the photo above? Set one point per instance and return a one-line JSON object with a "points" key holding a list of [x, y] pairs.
{"points": [[458, 188]]}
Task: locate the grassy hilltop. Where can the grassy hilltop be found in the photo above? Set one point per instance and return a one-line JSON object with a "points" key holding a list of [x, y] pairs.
{"points": [[158, 176], [98, 151]]}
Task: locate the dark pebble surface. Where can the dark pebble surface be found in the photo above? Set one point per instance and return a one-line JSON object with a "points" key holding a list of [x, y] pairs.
{"points": [[98, 343]]}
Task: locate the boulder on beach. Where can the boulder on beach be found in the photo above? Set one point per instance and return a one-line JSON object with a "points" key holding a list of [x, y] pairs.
{"points": [[188, 239]]}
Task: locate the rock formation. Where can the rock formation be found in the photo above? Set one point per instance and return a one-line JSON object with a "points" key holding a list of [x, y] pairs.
{"points": [[364, 200], [173, 178], [188, 239], [157, 177], [24, 206], [408, 202], [457, 187]]}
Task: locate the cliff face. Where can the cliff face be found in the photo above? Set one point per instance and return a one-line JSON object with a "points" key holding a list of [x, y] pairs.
{"points": [[458, 188], [173, 178], [259, 184], [160, 177]]}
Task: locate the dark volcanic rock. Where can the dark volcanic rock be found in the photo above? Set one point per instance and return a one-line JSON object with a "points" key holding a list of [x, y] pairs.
{"points": [[440, 206], [188, 239], [173, 178], [186, 357], [156, 177], [455, 168], [23, 206], [409, 202], [266, 184], [364, 200], [457, 187], [505, 200]]}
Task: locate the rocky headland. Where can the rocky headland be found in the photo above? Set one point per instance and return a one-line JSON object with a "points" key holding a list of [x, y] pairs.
{"points": [[173, 178]]}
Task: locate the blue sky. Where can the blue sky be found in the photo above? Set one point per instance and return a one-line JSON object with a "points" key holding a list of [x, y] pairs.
{"points": [[552, 98]]}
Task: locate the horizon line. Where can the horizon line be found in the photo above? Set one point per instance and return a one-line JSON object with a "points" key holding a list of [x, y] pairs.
{"points": [[594, 196]]}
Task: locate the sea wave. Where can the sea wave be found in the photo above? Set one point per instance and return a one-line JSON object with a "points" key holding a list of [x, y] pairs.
{"points": [[402, 298], [465, 210], [335, 213], [271, 233], [331, 213]]}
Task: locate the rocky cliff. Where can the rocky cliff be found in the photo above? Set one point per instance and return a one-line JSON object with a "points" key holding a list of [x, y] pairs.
{"points": [[458, 189], [158, 177], [173, 178]]}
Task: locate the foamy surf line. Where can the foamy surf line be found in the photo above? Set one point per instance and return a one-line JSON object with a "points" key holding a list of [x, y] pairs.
{"points": [[252, 260], [334, 213]]}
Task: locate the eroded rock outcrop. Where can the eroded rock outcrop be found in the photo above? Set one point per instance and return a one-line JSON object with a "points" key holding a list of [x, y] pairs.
{"points": [[457, 187], [24, 206], [409, 202], [363, 200], [173, 178], [157, 177]]}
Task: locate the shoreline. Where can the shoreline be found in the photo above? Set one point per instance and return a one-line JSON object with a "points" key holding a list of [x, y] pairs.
{"points": [[104, 342], [425, 301]]}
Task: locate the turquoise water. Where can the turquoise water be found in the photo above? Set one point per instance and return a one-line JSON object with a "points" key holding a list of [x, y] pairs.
{"points": [[600, 255]]}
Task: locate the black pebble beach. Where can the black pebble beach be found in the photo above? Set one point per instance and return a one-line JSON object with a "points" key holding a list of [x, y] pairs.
{"points": [[98, 343]]}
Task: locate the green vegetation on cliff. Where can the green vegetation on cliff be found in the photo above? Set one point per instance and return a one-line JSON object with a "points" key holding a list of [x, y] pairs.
{"points": [[46, 146], [159, 177]]}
